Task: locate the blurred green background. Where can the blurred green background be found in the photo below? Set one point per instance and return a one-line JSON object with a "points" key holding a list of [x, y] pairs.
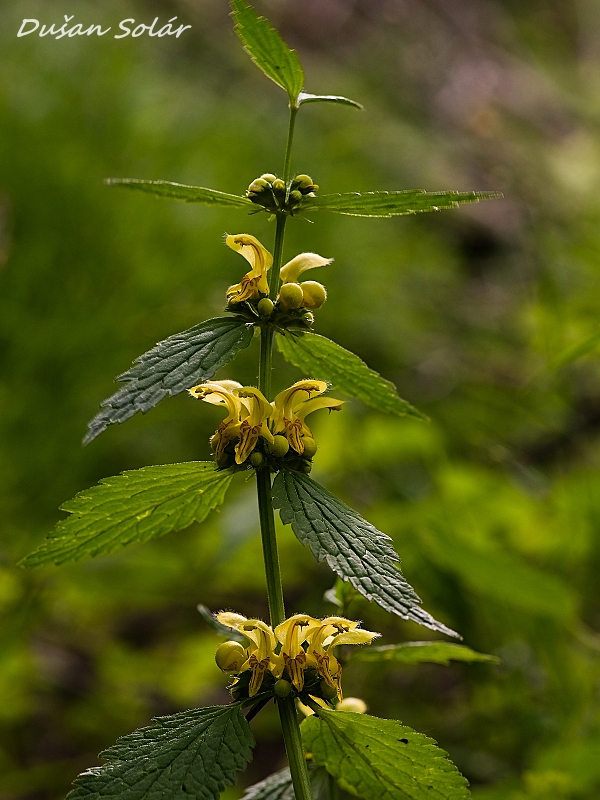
{"points": [[494, 506]]}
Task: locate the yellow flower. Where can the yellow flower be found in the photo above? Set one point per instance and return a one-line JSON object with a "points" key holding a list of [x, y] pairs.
{"points": [[254, 283], [221, 393], [246, 420], [261, 647], [321, 640], [291, 271], [291, 633], [293, 405], [254, 424]]}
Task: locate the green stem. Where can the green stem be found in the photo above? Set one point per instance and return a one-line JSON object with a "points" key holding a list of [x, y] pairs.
{"points": [[294, 749], [269, 544], [287, 161], [332, 788]]}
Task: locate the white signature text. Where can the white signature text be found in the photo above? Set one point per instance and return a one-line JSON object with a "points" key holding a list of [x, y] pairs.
{"points": [[127, 27]]}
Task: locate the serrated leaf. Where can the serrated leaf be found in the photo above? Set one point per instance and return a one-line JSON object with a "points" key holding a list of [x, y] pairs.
{"points": [[321, 358], [171, 367], [305, 97], [218, 627], [181, 191], [194, 754], [391, 204], [420, 652], [352, 547], [133, 507], [267, 49], [278, 786], [381, 759]]}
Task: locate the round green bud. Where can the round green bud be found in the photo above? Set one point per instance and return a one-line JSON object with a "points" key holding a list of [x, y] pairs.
{"points": [[296, 196], [352, 704], [282, 688], [230, 656], [259, 185], [256, 459], [278, 185], [303, 181], [314, 294], [328, 692], [265, 307], [291, 295], [268, 177], [306, 467], [310, 447], [278, 447], [308, 318]]}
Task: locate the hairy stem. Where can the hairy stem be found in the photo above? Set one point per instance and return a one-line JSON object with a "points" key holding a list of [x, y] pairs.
{"points": [[294, 749], [287, 161], [269, 544]]}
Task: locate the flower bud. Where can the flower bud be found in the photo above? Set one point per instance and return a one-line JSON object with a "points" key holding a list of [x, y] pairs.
{"points": [[303, 181], [306, 467], [259, 185], [265, 307], [308, 318], [310, 447], [278, 447], [314, 294], [352, 704], [295, 196], [256, 459], [230, 656], [269, 177], [282, 688], [278, 185], [328, 692], [291, 295]]}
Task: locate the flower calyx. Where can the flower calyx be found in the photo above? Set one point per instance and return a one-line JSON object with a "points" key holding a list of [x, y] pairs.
{"points": [[294, 659], [275, 196]]}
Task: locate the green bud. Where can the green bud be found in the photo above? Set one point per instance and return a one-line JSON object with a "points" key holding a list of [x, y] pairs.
{"points": [[259, 185], [278, 185], [354, 704], [303, 181], [291, 295], [327, 692], [296, 196], [265, 307], [278, 447], [310, 447], [306, 467], [256, 458], [308, 318], [268, 177], [282, 688], [314, 294], [230, 656]]}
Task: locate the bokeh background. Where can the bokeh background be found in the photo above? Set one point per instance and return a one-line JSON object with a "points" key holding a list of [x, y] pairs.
{"points": [[481, 316]]}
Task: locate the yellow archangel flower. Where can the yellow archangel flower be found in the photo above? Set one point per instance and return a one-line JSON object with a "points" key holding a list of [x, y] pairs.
{"points": [[291, 633], [260, 650], [322, 639], [293, 405], [246, 420], [254, 283], [313, 294]]}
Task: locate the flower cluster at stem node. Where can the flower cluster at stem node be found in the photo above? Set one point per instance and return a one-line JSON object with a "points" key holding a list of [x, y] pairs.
{"points": [[296, 658], [275, 196]]}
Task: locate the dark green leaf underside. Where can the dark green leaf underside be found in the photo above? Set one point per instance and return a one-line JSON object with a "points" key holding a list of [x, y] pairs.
{"points": [[304, 97], [268, 50], [278, 786], [180, 191], [325, 360], [391, 204], [381, 759], [193, 755], [133, 507], [420, 652], [171, 367], [353, 548]]}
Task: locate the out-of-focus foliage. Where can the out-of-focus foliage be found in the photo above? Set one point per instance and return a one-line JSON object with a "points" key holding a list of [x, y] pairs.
{"points": [[495, 505]]}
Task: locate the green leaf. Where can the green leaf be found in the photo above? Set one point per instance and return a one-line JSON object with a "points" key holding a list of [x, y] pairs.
{"points": [[278, 786], [391, 204], [352, 547], [218, 627], [133, 507], [320, 357], [381, 759], [574, 352], [194, 754], [180, 191], [171, 367], [304, 97], [268, 50], [419, 652]]}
